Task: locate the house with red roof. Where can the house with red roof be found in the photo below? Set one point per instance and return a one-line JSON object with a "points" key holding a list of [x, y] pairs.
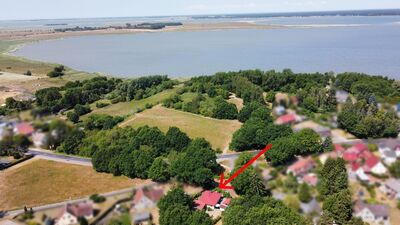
{"points": [[23, 129], [301, 166], [70, 213], [213, 200], [358, 148], [287, 119], [146, 198], [374, 165]]}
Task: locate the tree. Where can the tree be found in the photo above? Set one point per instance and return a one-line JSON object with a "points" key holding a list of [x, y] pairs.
{"points": [[255, 210], [73, 117], [82, 109], [304, 193], [395, 169], [283, 151], [338, 207], [310, 104], [224, 109], [159, 170], [72, 142], [333, 177], [176, 196], [200, 218], [308, 142], [142, 160], [176, 139], [247, 110], [175, 215]]}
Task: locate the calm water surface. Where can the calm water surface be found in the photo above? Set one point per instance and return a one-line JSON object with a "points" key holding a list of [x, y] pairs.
{"points": [[372, 48]]}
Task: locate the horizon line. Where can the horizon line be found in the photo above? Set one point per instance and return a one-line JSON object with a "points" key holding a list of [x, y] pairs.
{"points": [[215, 14]]}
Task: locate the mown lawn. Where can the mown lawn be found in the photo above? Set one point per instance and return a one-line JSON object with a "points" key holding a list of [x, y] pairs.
{"points": [[41, 182], [217, 132], [128, 108]]}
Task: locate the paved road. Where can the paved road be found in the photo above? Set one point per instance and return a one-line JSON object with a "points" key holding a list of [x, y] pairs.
{"points": [[49, 155]]}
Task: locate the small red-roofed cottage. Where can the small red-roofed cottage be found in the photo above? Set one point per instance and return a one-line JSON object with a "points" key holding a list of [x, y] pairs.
{"points": [[287, 119], [147, 198], [301, 167], [24, 129], [374, 165], [212, 200]]}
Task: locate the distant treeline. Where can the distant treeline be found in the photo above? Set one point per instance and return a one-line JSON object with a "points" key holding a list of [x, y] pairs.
{"points": [[150, 26], [374, 12]]}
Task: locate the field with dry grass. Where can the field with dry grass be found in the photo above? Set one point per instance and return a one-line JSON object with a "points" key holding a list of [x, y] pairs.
{"points": [[217, 132], [39, 182]]}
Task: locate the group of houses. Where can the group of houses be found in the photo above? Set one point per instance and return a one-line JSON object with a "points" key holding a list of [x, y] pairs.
{"points": [[302, 170], [16, 127]]}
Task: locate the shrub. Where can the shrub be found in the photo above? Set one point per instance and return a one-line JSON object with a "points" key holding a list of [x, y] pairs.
{"points": [[102, 104], [97, 198]]}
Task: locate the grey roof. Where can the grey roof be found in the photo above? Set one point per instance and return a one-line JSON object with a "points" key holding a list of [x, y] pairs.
{"points": [[389, 154], [393, 184], [377, 210], [310, 207], [142, 216]]}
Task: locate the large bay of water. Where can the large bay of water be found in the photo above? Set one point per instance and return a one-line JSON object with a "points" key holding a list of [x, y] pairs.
{"points": [[361, 44]]}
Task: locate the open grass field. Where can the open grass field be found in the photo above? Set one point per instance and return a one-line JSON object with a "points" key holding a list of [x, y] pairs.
{"points": [[217, 132], [129, 108], [39, 182]]}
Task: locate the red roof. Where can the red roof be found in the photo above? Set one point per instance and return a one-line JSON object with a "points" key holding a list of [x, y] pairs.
{"points": [[350, 156], [209, 198], [24, 129], [199, 205], [288, 118], [154, 195], [302, 165], [371, 162], [355, 166], [82, 209], [339, 148], [358, 148]]}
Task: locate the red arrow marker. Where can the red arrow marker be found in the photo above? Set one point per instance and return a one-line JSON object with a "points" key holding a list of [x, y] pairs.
{"points": [[223, 184]]}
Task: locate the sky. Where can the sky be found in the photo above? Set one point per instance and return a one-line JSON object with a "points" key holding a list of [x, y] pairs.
{"points": [[54, 9]]}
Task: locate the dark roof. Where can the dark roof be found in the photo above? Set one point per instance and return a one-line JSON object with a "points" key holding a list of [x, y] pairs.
{"points": [[377, 210]]}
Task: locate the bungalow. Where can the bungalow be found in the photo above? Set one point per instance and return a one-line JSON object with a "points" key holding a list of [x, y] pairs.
{"points": [[350, 157], [301, 167], [358, 148], [372, 213], [23, 129], [287, 119], [213, 200], [145, 199], [391, 187], [70, 213], [374, 165]]}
